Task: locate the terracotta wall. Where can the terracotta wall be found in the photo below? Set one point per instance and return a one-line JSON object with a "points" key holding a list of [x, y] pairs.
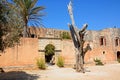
{"points": [[23, 54], [26, 53], [68, 52], [105, 53]]}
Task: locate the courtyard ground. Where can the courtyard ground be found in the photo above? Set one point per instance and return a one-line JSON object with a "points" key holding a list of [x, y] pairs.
{"points": [[106, 72]]}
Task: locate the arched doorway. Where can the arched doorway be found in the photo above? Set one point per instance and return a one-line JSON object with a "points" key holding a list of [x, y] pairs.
{"points": [[49, 52], [118, 54]]}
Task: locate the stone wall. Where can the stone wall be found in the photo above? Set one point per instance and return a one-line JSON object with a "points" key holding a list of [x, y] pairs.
{"points": [[106, 52], [29, 49], [68, 52], [23, 54]]}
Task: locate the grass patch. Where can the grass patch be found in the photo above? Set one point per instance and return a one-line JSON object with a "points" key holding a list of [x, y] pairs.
{"points": [[118, 60], [98, 62], [41, 63], [60, 61]]}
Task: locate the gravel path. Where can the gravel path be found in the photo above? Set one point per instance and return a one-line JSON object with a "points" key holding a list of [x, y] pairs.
{"points": [[106, 72]]}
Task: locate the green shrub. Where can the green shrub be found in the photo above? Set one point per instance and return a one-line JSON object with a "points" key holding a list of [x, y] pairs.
{"points": [[60, 61], [49, 50], [98, 62], [118, 60], [41, 63], [65, 35]]}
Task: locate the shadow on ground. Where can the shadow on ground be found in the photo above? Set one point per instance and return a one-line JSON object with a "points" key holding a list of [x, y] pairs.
{"points": [[18, 75]]}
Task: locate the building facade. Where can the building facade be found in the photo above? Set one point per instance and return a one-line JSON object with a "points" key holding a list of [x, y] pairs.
{"points": [[105, 45]]}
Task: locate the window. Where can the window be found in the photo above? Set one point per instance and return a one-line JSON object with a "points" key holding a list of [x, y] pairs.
{"points": [[116, 41], [102, 41], [103, 52], [33, 36], [119, 41]]}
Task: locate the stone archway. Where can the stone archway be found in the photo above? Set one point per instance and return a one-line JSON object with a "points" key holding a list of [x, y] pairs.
{"points": [[118, 54], [44, 41], [49, 52]]}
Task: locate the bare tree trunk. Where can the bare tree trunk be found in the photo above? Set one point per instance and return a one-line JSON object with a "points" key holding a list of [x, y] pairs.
{"points": [[78, 40], [79, 60]]}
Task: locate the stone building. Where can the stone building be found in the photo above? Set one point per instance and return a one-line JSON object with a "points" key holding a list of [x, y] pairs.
{"points": [[105, 45]]}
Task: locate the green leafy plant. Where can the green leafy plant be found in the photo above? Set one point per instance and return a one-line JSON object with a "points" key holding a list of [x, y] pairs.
{"points": [[60, 61], [49, 49], [65, 35], [98, 62], [118, 60], [10, 26], [41, 63]]}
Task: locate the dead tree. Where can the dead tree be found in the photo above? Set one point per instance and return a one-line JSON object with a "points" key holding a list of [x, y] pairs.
{"points": [[78, 40]]}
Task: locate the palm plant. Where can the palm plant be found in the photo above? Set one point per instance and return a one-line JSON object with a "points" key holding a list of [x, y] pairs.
{"points": [[29, 12]]}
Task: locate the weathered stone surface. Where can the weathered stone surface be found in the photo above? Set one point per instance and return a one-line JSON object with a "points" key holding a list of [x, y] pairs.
{"points": [[28, 50]]}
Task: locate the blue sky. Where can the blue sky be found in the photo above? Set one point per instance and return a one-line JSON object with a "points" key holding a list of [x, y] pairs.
{"points": [[99, 14]]}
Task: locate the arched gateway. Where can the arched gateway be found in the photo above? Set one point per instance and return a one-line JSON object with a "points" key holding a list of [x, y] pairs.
{"points": [[43, 42], [118, 54]]}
